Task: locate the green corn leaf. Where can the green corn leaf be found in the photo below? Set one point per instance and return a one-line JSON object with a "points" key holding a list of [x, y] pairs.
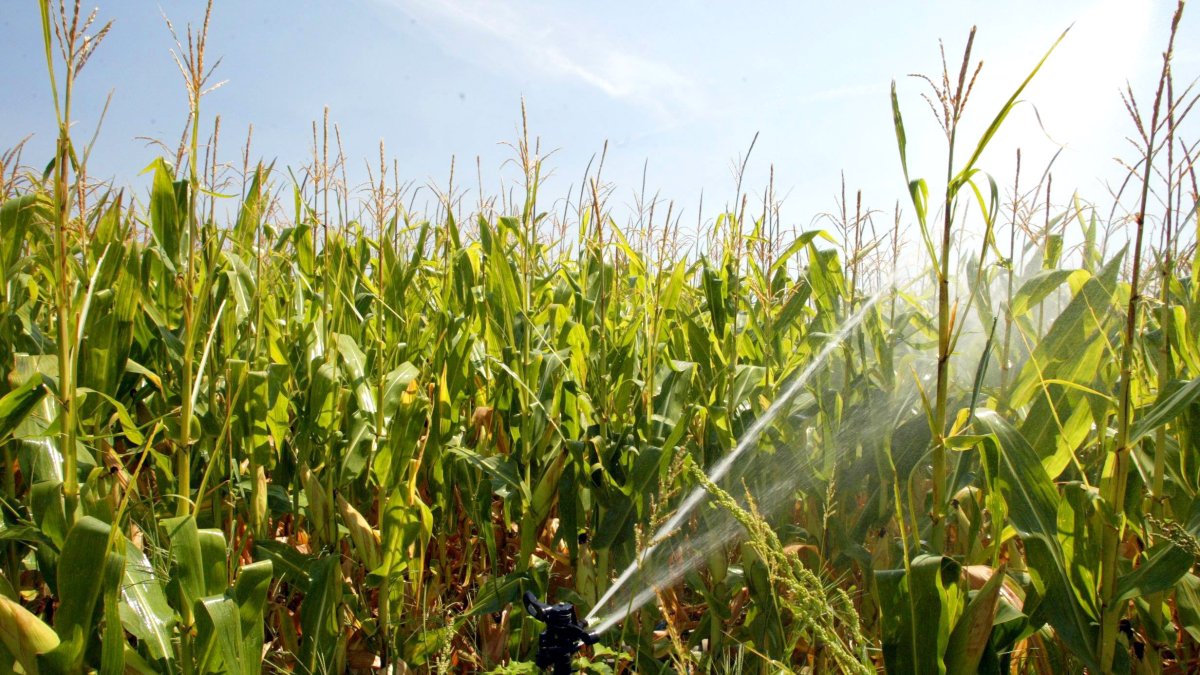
{"points": [[241, 285], [901, 137], [214, 556], [503, 472], [112, 643], [407, 530], [250, 594], [18, 227], [249, 220], [615, 522], [1170, 404], [799, 244], [81, 574], [747, 380], [45, 500], [219, 630], [919, 611], [973, 631], [277, 413], [496, 594], [320, 618], [128, 426], [1073, 343], [187, 583], [396, 383], [766, 624], [107, 329], [1036, 288], [136, 665], [715, 292], [362, 536], [1000, 117], [168, 210], [1165, 564], [354, 364], [290, 565], [18, 403], [1187, 602], [1032, 501], [144, 609]]}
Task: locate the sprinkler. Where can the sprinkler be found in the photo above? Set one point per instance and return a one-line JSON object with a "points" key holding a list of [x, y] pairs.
{"points": [[564, 635]]}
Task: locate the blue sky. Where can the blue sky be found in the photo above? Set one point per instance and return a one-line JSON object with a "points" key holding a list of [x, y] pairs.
{"points": [[679, 89]]}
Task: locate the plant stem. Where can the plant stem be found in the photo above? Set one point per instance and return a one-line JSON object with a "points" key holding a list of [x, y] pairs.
{"points": [[1117, 466], [62, 261], [938, 512], [1005, 358]]}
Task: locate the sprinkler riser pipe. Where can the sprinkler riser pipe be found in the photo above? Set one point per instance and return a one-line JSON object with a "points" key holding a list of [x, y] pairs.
{"points": [[565, 634]]}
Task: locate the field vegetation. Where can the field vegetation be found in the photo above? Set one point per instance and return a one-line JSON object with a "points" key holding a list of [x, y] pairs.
{"points": [[260, 419]]}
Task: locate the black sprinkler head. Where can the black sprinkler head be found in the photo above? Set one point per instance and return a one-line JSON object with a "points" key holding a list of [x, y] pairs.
{"points": [[564, 635]]}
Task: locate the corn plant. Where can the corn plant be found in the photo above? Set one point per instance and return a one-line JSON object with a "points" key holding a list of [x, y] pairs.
{"points": [[311, 429]]}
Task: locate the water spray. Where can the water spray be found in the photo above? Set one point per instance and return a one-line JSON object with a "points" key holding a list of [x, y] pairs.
{"points": [[564, 635], [748, 439]]}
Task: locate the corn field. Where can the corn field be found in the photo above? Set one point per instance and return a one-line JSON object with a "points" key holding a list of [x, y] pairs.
{"points": [[309, 428]]}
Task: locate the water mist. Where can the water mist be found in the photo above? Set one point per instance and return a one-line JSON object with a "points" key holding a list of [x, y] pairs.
{"points": [[657, 570]]}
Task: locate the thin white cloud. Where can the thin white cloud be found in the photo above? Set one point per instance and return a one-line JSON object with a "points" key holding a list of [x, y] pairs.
{"points": [[539, 38]]}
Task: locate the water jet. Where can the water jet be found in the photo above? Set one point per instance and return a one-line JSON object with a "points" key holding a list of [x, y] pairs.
{"points": [[635, 600]]}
